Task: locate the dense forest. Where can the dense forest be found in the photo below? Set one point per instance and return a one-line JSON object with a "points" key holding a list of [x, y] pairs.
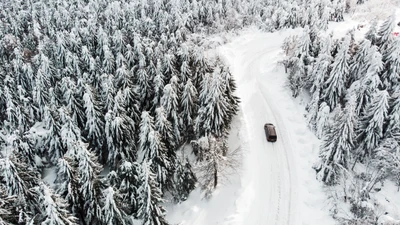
{"points": [[354, 108], [108, 93]]}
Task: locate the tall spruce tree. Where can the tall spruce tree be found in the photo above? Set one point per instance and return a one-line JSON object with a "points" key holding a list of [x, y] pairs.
{"points": [[371, 124], [336, 83], [150, 198], [335, 153]]}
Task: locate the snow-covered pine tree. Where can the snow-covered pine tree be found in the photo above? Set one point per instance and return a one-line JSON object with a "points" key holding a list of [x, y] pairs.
{"points": [[66, 183], [42, 82], [338, 7], [73, 104], [202, 66], [213, 107], [146, 126], [158, 82], [120, 135], [372, 33], [107, 91], [338, 141], [111, 210], [359, 63], [371, 124], [391, 58], [322, 119], [318, 74], [393, 128], [10, 107], [336, 83], [128, 184], [230, 87], [88, 170], [153, 150], [19, 179], [144, 87], [150, 198], [170, 102], [55, 150], [387, 159], [385, 33], [369, 82], [189, 108], [298, 64], [53, 209], [8, 208], [164, 128], [94, 133], [184, 180]]}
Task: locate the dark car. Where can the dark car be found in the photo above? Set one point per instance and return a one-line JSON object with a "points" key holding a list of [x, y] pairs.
{"points": [[270, 132]]}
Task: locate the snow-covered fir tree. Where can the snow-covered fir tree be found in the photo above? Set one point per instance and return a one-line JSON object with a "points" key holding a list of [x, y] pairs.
{"points": [[337, 143], [385, 33], [336, 83], [371, 124], [150, 198], [54, 209], [391, 59]]}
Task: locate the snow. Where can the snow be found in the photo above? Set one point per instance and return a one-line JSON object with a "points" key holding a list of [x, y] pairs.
{"points": [[277, 184]]}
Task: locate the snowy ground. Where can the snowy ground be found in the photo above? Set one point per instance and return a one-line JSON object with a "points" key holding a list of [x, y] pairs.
{"points": [[277, 184]]}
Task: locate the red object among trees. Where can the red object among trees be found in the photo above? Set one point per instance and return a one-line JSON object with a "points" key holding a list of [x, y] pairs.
{"points": [[396, 34]]}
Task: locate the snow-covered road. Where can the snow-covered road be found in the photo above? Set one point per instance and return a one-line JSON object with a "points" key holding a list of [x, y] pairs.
{"points": [[271, 169]]}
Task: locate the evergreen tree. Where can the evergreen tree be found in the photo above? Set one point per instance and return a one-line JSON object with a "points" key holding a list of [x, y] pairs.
{"points": [[335, 84], [66, 184], [94, 123], [370, 127], [393, 128], [189, 107], [391, 73], [170, 103], [360, 61], [372, 33], [387, 159], [338, 10], [119, 133], [153, 149], [184, 180], [53, 139], [111, 212], [213, 107], [369, 83], [385, 36], [127, 185], [53, 208], [8, 208], [337, 143], [71, 102], [164, 128], [318, 74], [229, 87], [158, 82], [150, 200], [322, 119]]}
